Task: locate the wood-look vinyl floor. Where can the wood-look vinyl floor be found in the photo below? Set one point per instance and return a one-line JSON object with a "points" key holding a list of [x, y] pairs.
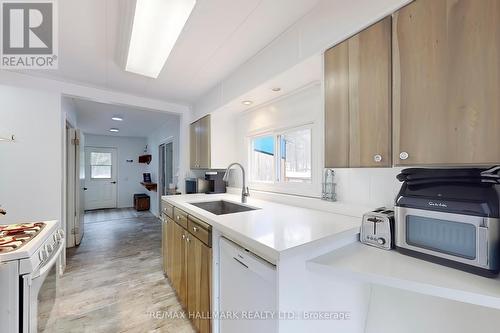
{"points": [[114, 281], [101, 215]]}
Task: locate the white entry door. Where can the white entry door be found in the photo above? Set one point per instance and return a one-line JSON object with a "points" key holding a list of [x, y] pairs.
{"points": [[100, 178]]}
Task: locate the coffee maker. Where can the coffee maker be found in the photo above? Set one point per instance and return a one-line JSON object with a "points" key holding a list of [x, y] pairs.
{"points": [[216, 184]]}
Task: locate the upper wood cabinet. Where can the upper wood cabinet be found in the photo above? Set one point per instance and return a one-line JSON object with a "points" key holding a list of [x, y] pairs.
{"points": [[358, 99], [213, 140], [200, 143], [446, 73]]}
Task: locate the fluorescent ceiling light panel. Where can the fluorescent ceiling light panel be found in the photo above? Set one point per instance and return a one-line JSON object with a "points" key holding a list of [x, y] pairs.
{"points": [[117, 118], [156, 28], [115, 130]]}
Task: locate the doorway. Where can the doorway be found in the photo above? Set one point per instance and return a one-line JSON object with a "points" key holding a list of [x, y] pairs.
{"points": [[166, 168], [100, 178], [74, 186]]}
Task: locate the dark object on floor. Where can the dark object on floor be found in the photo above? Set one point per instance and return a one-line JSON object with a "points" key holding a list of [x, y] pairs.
{"points": [[141, 202]]}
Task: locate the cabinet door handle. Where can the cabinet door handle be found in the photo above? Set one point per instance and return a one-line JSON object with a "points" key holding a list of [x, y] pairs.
{"points": [[195, 229], [178, 217], [188, 240], [403, 155], [377, 158], [183, 236]]}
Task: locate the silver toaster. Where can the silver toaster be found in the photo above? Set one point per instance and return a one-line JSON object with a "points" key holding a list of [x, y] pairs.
{"points": [[377, 228]]}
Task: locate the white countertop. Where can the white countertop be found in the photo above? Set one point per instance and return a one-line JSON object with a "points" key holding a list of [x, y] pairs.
{"points": [[393, 269], [274, 228]]}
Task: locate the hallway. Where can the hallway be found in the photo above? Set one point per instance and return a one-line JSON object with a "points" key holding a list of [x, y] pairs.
{"points": [[114, 280]]}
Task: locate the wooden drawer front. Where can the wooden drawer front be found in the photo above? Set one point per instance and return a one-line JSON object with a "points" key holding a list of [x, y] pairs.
{"points": [[167, 209], [200, 230], [180, 217]]}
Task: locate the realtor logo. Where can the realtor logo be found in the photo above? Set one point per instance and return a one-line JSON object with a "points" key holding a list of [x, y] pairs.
{"points": [[28, 34]]}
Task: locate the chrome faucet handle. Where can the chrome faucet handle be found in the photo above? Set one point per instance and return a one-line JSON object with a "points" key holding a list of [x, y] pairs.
{"points": [[247, 192]]}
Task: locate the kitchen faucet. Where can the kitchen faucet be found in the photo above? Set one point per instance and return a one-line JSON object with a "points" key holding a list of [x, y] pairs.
{"points": [[244, 190]]}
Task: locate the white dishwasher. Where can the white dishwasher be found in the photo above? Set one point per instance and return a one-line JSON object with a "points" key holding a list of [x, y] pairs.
{"points": [[247, 291]]}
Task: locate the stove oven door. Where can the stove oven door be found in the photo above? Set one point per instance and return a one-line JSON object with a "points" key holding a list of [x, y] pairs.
{"points": [[39, 294]]}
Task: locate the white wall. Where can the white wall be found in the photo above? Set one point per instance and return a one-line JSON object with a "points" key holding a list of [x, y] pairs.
{"points": [[168, 132], [30, 168], [303, 107], [129, 174], [82, 91], [368, 187], [330, 22]]}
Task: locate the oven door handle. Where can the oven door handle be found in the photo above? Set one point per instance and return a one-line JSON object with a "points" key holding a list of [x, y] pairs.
{"points": [[48, 265]]}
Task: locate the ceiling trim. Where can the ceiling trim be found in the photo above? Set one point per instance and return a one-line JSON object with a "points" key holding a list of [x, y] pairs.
{"points": [[95, 94]]}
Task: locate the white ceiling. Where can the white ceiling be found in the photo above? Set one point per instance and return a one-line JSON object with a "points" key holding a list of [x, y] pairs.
{"points": [[219, 36], [95, 118]]}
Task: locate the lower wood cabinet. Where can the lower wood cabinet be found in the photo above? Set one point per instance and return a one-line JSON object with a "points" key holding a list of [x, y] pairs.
{"points": [[179, 263], [199, 275], [187, 261], [168, 245], [164, 237]]}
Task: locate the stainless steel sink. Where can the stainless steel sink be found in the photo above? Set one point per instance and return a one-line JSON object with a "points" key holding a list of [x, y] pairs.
{"points": [[222, 207]]}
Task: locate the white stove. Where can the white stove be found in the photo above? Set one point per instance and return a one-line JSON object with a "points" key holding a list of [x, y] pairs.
{"points": [[28, 256]]}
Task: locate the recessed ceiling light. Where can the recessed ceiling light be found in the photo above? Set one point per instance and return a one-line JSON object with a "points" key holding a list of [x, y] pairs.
{"points": [[156, 28], [117, 118], [276, 89], [114, 130], [247, 102]]}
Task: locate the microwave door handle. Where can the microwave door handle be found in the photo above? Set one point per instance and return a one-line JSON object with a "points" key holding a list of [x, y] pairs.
{"points": [[48, 265], [482, 248]]}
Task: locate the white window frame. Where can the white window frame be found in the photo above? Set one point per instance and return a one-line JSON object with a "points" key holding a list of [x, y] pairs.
{"points": [[312, 189], [110, 167], [250, 149]]}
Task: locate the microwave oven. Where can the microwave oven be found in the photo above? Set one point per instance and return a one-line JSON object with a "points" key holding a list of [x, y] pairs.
{"points": [[453, 222]]}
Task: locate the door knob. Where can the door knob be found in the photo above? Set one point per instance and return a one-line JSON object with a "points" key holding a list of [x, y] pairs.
{"points": [[85, 188], [113, 182], [403, 155]]}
